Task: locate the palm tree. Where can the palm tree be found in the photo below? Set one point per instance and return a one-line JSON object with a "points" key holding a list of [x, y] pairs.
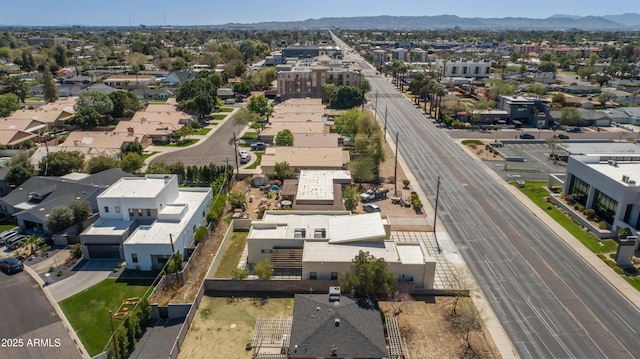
{"points": [[439, 91], [32, 243]]}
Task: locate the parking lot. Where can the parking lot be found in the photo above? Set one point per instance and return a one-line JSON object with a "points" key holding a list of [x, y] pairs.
{"points": [[536, 166]]}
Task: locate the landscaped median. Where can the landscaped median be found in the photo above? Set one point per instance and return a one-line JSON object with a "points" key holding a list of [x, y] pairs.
{"points": [[536, 191], [88, 311]]}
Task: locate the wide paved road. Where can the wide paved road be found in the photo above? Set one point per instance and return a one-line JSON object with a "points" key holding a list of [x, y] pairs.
{"points": [[30, 327], [217, 148], [550, 302]]}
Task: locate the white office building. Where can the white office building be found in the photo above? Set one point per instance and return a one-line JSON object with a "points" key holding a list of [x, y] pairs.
{"points": [[142, 218], [609, 184], [465, 68]]}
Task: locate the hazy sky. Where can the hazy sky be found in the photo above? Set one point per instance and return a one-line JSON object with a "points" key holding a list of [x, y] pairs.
{"points": [[215, 12]]}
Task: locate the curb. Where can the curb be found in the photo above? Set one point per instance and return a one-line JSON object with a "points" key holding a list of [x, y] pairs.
{"points": [[74, 337]]}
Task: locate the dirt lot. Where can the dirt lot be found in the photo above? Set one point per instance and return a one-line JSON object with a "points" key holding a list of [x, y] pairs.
{"points": [[224, 326], [426, 330]]}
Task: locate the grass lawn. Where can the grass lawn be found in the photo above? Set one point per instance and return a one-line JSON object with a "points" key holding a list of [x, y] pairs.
{"points": [[250, 135], [536, 193], [526, 170], [224, 326], [203, 131], [181, 143], [219, 117], [226, 109], [5, 225], [88, 311], [256, 163], [635, 282], [232, 254], [472, 142], [146, 155]]}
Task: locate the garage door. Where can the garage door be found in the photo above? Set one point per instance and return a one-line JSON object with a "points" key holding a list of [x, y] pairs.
{"points": [[103, 250]]}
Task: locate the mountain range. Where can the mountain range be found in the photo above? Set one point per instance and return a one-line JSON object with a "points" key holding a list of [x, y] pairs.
{"points": [[624, 22]]}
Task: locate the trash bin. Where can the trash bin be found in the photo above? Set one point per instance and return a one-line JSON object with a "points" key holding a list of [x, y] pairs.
{"points": [[47, 278]]}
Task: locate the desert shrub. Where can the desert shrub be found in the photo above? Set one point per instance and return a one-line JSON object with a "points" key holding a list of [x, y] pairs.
{"points": [[568, 198], [580, 208], [603, 225], [624, 232], [590, 213]]}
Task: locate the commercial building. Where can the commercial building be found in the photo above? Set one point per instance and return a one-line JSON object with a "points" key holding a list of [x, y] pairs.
{"points": [[145, 220], [474, 68], [305, 78]]}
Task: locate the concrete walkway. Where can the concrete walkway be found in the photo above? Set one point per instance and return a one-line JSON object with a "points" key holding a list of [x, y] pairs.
{"points": [[92, 272]]}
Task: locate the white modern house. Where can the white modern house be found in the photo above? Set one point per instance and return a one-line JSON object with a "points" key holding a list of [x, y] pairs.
{"points": [[319, 245], [609, 184], [145, 219]]}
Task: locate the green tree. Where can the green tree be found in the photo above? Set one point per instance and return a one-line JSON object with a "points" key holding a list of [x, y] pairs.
{"points": [[101, 163], [346, 97], [537, 89], [15, 85], [368, 276], [603, 98], [346, 122], [570, 116], [60, 218], [263, 269], [351, 198], [131, 162], [8, 104], [132, 146], [86, 118], [282, 170], [60, 56], [236, 199], [245, 117], [363, 170], [96, 101], [260, 104], [243, 87], [61, 163], [240, 273], [284, 138], [20, 169], [81, 210], [49, 88], [183, 132], [125, 104], [32, 243]]}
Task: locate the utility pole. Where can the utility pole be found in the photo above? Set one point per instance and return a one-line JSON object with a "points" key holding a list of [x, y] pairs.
{"points": [[235, 148], [435, 215], [113, 337], [375, 113], [385, 122], [173, 256], [395, 170], [225, 175]]}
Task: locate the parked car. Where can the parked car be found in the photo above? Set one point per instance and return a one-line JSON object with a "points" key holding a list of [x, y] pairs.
{"points": [[561, 136], [527, 136], [574, 129], [229, 102], [8, 233], [244, 156], [258, 146], [370, 207], [11, 265], [367, 195], [14, 242]]}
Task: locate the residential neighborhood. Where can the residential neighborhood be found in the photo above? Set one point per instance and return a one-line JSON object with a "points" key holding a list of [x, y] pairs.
{"points": [[278, 190]]}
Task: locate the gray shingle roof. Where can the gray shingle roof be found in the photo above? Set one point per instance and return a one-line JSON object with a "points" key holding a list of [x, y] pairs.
{"points": [[316, 330]]}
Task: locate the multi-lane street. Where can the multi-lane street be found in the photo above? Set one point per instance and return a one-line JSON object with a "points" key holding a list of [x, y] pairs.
{"points": [[551, 303]]}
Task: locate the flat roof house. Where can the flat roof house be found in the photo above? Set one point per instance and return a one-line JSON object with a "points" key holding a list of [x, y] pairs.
{"points": [[321, 245], [299, 158], [143, 218]]}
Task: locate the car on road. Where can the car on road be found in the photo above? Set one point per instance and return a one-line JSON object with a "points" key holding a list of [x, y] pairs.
{"points": [[370, 208], [527, 136], [561, 136], [574, 129], [11, 265]]}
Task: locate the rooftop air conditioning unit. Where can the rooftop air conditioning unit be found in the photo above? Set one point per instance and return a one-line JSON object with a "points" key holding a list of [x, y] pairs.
{"points": [[632, 182], [625, 178]]}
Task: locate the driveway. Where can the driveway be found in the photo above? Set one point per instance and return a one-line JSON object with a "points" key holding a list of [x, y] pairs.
{"points": [[92, 272], [30, 322]]}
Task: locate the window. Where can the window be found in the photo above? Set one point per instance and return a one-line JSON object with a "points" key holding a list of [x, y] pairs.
{"points": [[163, 258], [106, 209], [117, 209], [139, 212], [134, 257], [579, 189], [320, 233], [627, 213], [313, 275], [334, 275], [454, 70], [148, 212], [299, 233], [266, 250]]}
